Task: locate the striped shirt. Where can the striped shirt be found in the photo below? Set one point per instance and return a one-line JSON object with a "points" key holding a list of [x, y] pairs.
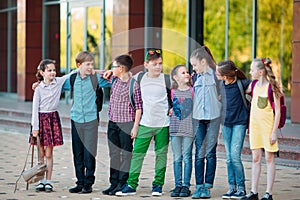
{"points": [[119, 108], [181, 119]]}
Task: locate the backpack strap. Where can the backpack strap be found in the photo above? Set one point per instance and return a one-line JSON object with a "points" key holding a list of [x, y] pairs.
{"points": [[270, 96], [252, 86], [167, 81], [140, 76], [168, 88], [131, 93], [172, 93], [192, 91], [94, 80], [239, 83], [131, 88], [72, 80]]}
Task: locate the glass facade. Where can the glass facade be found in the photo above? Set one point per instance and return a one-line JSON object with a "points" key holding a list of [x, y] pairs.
{"points": [[72, 26]]}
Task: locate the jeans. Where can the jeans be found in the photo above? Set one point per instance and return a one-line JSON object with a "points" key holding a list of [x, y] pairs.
{"points": [[206, 140], [120, 151], [84, 146], [182, 151], [141, 145], [233, 137]]}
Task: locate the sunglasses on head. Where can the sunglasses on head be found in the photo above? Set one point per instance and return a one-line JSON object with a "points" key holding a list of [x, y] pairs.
{"points": [[152, 52]]}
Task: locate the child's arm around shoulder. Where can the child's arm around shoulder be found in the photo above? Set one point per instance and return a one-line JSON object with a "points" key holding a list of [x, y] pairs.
{"points": [[249, 88], [102, 82]]}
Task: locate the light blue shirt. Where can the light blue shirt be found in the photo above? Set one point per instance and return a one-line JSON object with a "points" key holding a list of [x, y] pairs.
{"points": [[84, 108], [206, 104]]}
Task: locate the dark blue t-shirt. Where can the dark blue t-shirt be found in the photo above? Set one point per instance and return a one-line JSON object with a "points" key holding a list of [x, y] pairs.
{"points": [[234, 111]]}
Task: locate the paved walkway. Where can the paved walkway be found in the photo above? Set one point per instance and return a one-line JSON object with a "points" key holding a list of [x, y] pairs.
{"points": [[13, 149]]}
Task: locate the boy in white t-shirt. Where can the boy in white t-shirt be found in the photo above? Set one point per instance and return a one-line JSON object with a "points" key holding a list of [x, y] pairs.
{"points": [[154, 124]]}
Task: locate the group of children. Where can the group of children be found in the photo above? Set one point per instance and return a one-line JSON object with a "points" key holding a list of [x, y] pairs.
{"points": [[189, 113]]}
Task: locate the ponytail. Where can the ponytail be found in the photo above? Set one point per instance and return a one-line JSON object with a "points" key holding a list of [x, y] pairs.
{"points": [[265, 64]]}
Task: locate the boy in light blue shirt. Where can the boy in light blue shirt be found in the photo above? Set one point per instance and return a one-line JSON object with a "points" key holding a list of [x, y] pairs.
{"points": [[84, 122]]}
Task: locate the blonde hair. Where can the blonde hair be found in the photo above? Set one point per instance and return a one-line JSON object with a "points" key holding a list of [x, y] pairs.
{"points": [[265, 65]]}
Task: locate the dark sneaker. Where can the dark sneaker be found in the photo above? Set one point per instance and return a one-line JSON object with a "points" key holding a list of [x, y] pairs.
{"points": [[156, 190], [127, 190], [40, 187], [76, 189], [116, 189], [250, 196], [267, 196], [48, 187], [175, 192], [228, 194], [108, 190], [86, 190], [185, 192], [239, 194], [205, 194]]}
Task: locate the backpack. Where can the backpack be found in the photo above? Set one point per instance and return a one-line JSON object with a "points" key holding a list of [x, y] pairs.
{"points": [[245, 101], [139, 78], [97, 89], [271, 100]]}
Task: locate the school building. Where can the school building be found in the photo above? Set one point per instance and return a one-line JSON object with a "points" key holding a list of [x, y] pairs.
{"points": [[31, 30]]}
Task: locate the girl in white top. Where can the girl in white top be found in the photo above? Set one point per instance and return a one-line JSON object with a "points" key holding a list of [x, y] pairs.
{"points": [[45, 118]]}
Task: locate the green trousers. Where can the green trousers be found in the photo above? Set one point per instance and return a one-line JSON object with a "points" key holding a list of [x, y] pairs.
{"points": [[141, 145]]}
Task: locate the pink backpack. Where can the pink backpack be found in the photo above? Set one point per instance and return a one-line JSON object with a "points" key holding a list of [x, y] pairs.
{"points": [[271, 100]]}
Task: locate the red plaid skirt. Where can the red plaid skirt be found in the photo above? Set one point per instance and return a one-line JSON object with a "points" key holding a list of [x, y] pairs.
{"points": [[50, 130]]}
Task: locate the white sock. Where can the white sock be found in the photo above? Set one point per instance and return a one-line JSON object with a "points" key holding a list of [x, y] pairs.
{"points": [[48, 181], [42, 181]]}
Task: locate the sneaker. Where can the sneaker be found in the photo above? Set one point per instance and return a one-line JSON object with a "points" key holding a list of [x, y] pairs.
{"points": [[175, 192], [40, 187], [116, 189], [156, 190], [228, 194], [239, 194], [250, 196], [86, 189], [48, 187], [127, 190], [108, 190], [267, 196], [185, 192], [205, 194], [76, 189], [197, 193]]}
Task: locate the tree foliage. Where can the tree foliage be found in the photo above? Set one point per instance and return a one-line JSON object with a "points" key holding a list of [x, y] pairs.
{"points": [[274, 32]]}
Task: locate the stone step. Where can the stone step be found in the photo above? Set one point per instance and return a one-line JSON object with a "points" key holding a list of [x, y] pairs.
{"points": [[19, 122], [12, 120], [285, 151]]}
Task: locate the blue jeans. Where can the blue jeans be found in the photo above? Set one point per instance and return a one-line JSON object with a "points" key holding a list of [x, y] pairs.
{"points": [[233, 137], [182, 151], [206, 140]]}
